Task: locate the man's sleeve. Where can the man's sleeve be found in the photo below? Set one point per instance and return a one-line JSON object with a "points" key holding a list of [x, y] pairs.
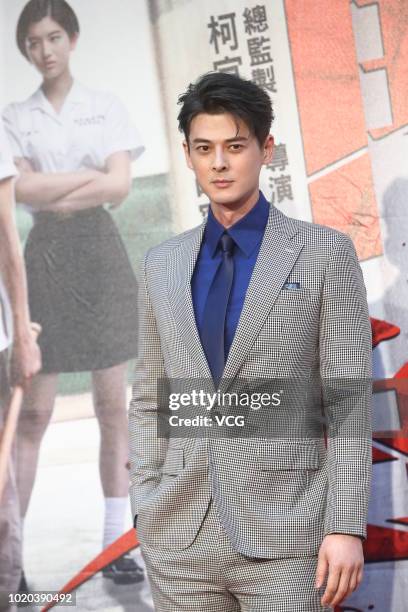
{"points": [[147, 450], [346, 378]]}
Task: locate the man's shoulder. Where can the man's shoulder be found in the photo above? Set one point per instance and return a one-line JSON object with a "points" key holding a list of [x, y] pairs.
{"points": [[318, 236], [162, 250]]}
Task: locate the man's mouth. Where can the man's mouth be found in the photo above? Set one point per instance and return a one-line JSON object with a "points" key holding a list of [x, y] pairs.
{"points": [[222, 182]]}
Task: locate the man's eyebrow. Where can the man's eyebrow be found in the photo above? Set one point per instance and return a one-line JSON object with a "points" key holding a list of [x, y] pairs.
{"points": [[233, 139], [238, 139]]}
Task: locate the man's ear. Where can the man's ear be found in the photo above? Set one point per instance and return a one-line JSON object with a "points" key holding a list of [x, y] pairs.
{"points": [[268, 149], [187, 154]]}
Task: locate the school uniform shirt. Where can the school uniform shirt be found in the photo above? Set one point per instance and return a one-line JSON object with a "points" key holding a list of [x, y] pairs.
{"points": [[82, 289], [7, 169], [89, 128]]}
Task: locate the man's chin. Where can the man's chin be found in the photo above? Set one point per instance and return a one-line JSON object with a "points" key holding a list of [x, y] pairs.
{"points": [[225, 198]]}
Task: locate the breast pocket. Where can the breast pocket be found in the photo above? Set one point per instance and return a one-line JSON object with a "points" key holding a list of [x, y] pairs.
{"points": [[290, 300]]}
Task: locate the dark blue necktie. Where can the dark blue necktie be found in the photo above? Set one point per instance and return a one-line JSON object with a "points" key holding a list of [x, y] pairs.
{"points": [[215, 310]]}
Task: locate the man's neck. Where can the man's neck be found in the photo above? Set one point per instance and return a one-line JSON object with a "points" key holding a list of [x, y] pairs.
{"points": [[229, 214]]}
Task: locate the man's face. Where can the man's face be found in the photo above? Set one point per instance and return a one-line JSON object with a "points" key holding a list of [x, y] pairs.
{"points": [[226, 158]]}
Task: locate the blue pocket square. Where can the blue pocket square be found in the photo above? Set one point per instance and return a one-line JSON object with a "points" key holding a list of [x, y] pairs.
{"points": [[291, 286]]}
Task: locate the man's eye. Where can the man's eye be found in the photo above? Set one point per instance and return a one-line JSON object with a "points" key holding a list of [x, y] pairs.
{"points": [[203, 148], [236, 147], [32, 45], [54, 38]]}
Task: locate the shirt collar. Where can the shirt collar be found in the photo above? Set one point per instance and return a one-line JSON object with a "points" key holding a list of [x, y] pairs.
{"points": [[246, 233]]}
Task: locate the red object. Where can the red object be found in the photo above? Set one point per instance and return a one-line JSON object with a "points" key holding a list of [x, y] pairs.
{"points": [[385, 544], [380, 456], [381, 330], [401, 521], [402, 372], [396, 439], [127, 542]]}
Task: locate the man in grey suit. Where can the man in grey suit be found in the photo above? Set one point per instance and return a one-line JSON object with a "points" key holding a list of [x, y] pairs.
{"points": [[270, 514]]}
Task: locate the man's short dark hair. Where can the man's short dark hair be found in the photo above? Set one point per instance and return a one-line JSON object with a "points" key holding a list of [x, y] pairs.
{"points": [[35, 10], [218, 92]]}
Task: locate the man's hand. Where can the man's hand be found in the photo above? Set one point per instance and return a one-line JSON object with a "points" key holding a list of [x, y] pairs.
{"points": [[341, 556], [25, 358]]}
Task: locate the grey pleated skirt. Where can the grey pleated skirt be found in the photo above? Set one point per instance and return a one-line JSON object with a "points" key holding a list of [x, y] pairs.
{"points": [[82, 290]]}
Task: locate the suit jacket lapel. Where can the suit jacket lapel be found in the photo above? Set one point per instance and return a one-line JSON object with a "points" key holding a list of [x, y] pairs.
{"points": [[181, 262], [277, 256]]}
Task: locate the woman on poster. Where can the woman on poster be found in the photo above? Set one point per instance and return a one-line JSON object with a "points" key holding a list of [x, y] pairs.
{"points": [[73, 148]]}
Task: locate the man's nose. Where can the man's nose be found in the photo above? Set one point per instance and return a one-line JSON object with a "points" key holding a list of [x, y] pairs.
{"points": [[220, 161]]}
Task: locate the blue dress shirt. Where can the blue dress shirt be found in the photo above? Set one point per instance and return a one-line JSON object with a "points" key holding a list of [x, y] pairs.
{"points": [[247, 234]]}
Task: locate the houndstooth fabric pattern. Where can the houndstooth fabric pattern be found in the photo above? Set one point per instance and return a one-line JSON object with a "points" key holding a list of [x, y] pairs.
{"points": [[210, 575], [276, 497]]}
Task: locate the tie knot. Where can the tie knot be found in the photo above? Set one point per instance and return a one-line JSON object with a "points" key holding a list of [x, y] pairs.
{"points": [[227, 244]]}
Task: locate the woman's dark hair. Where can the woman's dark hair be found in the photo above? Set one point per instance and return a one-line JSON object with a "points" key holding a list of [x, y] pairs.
{"points": [[35, 10], [218, 92]]}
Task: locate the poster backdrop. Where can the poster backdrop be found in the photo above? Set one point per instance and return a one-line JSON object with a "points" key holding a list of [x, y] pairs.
{"points": [[337, 74]]}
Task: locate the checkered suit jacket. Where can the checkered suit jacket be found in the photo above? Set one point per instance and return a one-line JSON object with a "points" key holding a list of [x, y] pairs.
{"points": [[276, 496]]}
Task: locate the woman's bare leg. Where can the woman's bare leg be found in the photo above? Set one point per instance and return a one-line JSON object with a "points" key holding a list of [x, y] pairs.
{"points": [[35, 415], [109, 393], [109, 390]]}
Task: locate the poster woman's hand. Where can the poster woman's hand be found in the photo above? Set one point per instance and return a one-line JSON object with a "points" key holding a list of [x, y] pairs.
{"points": [[25, 357]]}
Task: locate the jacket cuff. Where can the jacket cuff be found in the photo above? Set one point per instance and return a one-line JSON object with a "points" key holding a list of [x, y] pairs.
{"points": [[362, 536]]}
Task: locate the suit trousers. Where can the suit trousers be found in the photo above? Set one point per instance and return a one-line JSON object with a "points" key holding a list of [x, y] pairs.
{"points": [[211, 576], [10, 522]]}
